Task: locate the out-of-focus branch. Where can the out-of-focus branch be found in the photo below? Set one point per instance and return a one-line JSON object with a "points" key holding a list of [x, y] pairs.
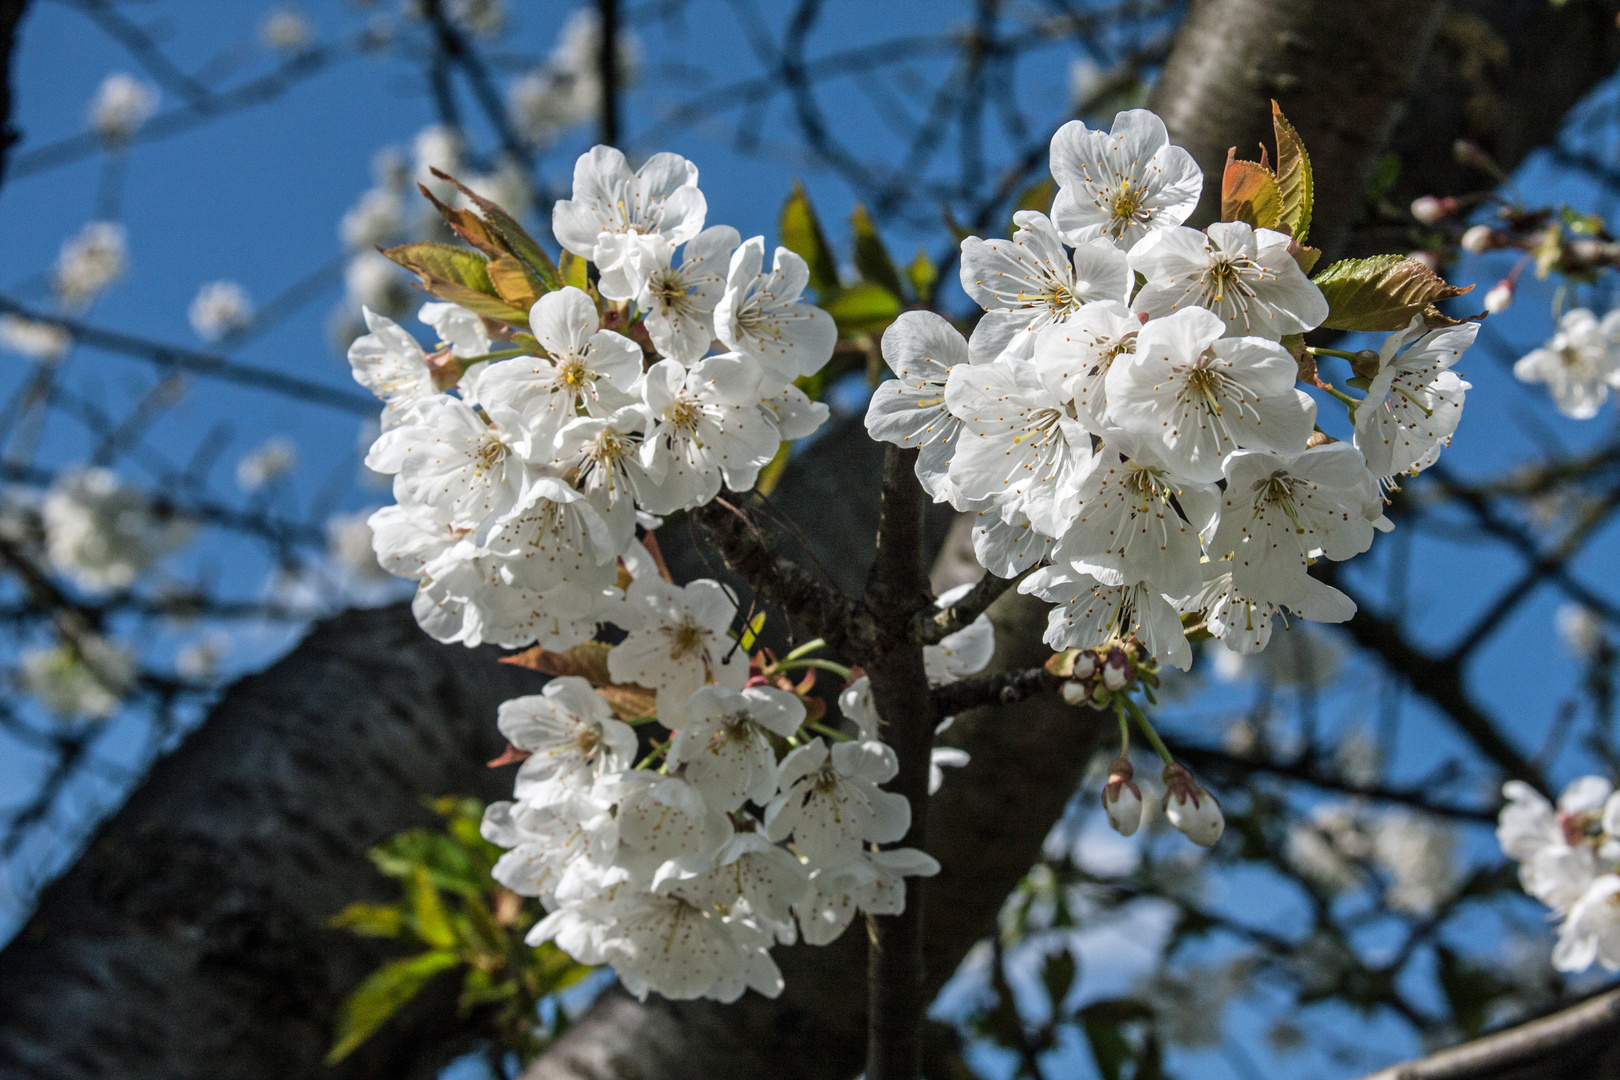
{"points": [[11, 13], [1579, 1043], [607, 62], [174, 357]]}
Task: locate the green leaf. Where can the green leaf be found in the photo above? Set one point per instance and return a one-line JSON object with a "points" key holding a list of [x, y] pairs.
{"points": [[1380, 293], [571, 268], [514, 237], [1295, 183], [449, 865], [802, 235], [863, 308], [1057, 975], [1249, 193], [384, 992], [432, 924], [924, 275], [871, 257], [371, 920], [458, 275]]}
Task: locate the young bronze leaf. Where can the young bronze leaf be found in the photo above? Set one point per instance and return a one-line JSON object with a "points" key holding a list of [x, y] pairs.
{"points": [[802, 235], [871, 256], [588, 661], [1295, 183], [515, 282], [1037, 196], [457, 275], [1249, 193], [513, 236], [629, 702], [1380, 293], [571, 268], [467, 225]]}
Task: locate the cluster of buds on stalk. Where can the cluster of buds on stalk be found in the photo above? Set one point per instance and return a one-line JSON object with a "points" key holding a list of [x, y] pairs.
{"points": [[1104, 678], [1098, 676]]}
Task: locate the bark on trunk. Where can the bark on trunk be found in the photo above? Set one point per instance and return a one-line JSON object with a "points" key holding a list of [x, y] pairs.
{"points": [[190, 939], [1340, 71]]}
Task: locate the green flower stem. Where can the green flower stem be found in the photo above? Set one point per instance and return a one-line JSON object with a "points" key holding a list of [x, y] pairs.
{"points": [[1124, 731], [658, 750], [653, 719], [825, 665], [1340, 353], [504, 354], [823, 729], [805, 650], [1349, 401], [1147, 730]]}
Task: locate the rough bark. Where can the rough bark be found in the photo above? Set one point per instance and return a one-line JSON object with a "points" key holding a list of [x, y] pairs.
{"points": [[1341, 73], [11, 13], [190, 939]]}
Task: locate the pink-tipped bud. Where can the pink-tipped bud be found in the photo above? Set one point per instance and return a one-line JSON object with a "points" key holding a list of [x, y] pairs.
{"points": [[1122, 799], [1116, 672], [1085, 665], [1190, 808], [1076, 693], [1428, 209], [1500, 298], [1479, 239]]}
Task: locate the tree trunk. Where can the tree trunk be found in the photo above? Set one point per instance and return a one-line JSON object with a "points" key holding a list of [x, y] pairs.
{"points": [[190, 939]]}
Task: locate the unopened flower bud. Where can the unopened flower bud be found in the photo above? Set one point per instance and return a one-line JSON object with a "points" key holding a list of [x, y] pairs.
{"points": [[1473, 154], [1500, 297], [1428, 209], [1317, 438], [1431, 259], [1190, 808], [1085, 665], [1076, 693], [1122, 799], [1116, 673], [1478, 239]]}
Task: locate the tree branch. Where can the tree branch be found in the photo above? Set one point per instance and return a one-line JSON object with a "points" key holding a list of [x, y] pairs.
{"points": [[779, 581], [11, 13], [998, 689], [1579, 1043], [931, 627]]}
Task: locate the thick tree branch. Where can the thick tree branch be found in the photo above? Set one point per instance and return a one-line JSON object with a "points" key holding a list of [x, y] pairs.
{"points": [[998, 689], [752, 554], [931, 627], [1579, 1043], [1340, 71]]}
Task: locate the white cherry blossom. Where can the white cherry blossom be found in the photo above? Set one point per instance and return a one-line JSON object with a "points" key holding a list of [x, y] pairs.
{"points": [[463, 459], [1096, 608], [604, 454], [1415, 401], [104, 533], [1579, 363], [660, 818], [709, 429], [792, 412], [1018, 446], [1278, 510], [1006, 544], [571, 735], [681, 644], [680, 302], [1591, 931], [748, 867], [1031, 281], [1205, 397], [629, 224], [390, 363], [586, 368], [966, 652], [921, 348], [830, 801], [873, 883], [1074, 358], [550, 845], [1126, 509], [1244, 275], [764, 316], [1243, 623], [1122, 184], [723, 742], [557, 534]]}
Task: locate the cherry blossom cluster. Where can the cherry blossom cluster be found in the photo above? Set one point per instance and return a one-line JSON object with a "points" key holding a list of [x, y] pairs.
{"points": [[1124, 419], [1569, 859], [1579, 364], [521, 477]]}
